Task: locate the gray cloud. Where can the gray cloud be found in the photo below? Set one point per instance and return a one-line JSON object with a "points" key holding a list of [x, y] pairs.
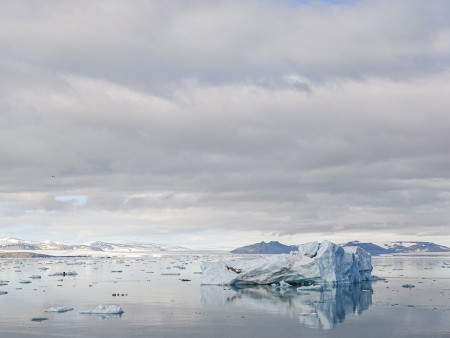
{"points": [[225, 120]]}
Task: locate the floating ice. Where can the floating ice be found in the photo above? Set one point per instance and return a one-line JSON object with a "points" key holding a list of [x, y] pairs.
{"points": [[69, 273], [282, 286], [105, 310], [38, 319], [59, 309], [408, 286], [35, 277], [314, 264], [310, 288]]}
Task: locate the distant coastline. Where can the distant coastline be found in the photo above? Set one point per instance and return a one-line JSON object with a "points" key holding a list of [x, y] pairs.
{"points": [[21, 254]]}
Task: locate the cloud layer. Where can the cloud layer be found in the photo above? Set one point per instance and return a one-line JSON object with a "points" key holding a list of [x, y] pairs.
{"points": [[225, 122]]}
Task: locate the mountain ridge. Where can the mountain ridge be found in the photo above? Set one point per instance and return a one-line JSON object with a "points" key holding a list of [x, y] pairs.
{"points": [[373, 249], [13, 243], [400, 247], [272, 247]]}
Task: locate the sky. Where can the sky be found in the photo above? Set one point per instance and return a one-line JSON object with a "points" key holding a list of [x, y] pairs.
{"points": [[216, 124]]}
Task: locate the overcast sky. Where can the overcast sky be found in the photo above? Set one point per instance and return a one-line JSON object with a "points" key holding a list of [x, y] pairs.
{"points": [[224, 123]]}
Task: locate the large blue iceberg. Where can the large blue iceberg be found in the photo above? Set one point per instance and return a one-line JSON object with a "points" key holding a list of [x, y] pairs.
{"points": [[314, 263]]}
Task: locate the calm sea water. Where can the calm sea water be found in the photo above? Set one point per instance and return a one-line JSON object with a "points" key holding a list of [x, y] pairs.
{"points": [[158, 304]]}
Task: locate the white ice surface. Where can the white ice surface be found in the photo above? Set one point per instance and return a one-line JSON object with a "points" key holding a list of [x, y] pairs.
{"points": [[69, 273], [308, 249], [59, 309], [329, 263], [310, 288], [104, 309]]}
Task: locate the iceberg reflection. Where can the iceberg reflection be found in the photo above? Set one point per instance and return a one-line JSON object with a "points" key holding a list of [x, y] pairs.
{"points": [[314, 309]]}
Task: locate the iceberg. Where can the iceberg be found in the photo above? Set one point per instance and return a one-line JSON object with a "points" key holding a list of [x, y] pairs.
{"points": [[313, 264], [105, 310]]}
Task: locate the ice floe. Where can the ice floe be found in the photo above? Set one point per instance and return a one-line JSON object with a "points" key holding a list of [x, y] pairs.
{"points": [[313, 264], [310, 288], [59, 309], [105, 310], [38, 319], [408, 286], [281, 286], [69, 273]]}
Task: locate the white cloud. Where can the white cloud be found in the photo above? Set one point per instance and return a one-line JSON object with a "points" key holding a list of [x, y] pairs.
{"points": [[222, 119]]}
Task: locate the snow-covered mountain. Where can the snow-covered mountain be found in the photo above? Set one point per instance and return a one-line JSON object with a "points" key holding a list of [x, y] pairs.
{"points": [[105, 246], [373, 249], [400, 247], [20, 244]]}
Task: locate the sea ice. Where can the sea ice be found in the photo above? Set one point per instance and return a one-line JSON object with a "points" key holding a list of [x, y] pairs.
{"points": [[314, 264], [35, 277], [69, 273], [59, 309], [310, 288], [408, 286], [38, 319], [105, 310]]}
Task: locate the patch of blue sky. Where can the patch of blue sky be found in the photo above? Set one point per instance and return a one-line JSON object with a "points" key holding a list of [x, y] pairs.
{"points": [[329, 2], [17, 230], [78, 200]]}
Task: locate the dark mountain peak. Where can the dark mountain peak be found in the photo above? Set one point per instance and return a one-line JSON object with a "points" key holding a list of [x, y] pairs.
{"points": [[272, 247]]}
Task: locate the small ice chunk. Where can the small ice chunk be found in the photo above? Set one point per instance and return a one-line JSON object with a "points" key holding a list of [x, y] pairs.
{"points": [[38, 319], [35, 277], [284, 285], [408, 286], [59, 309], [310, 288], [69, 273], [105, 310]]}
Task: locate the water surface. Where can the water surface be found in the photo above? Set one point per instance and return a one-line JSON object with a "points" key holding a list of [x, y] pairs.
{"points": [[157, 303]]}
